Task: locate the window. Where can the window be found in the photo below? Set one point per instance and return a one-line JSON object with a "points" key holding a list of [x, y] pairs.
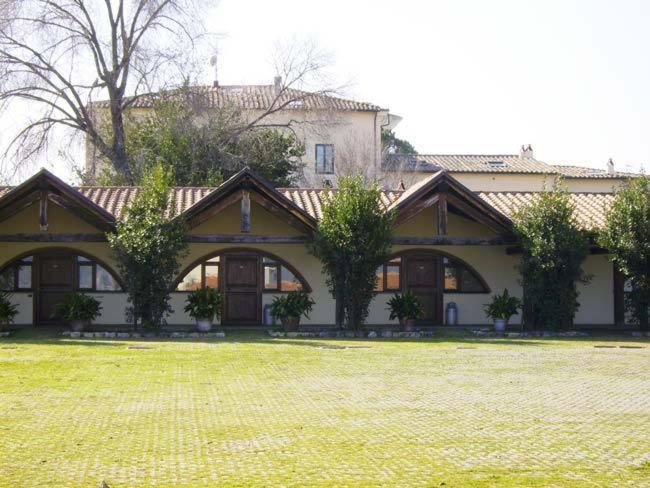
{"points": [[18, 276], [278, 277], [92, 276], [456, 277], [89, 276], [459, 279], [204, 275], [388, 276], [325, 158], [273, 275]]}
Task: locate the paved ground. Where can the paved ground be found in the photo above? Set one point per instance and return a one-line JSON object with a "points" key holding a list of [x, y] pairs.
{"points": [[256, 412]]}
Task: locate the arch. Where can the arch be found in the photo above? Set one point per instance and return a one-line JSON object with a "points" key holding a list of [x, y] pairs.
{"points": [[63, 250], [244, 250], [437, 253]]}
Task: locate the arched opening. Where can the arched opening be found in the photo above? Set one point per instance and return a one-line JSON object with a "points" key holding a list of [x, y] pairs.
{"points": [[429, 275], [243, 275], [51, 273]]}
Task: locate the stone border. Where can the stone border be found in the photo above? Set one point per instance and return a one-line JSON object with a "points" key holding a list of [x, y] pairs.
{"points": [[146, 335], [348, 334]]}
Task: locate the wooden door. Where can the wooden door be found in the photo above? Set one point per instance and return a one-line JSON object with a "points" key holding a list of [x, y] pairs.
{"points": [[55, 280], [422, 278], [242, 292]]}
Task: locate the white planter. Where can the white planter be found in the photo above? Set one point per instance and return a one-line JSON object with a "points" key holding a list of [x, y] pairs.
{"points": [[500, 325], [203, 325]]}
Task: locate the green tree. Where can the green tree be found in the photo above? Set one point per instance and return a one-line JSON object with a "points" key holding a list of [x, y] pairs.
{"points": [[554, 248], [147, 245], [352, 240], [399, 146], [203, 146], [627, 238]]}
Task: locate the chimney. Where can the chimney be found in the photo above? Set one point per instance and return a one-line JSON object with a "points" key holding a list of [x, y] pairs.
{"points": [[277, 82], [610, 167], [213, 63], [526, 151]]}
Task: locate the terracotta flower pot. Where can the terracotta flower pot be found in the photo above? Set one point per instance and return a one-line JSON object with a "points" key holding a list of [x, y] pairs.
{"points": [[290, 324], [407, 325]]}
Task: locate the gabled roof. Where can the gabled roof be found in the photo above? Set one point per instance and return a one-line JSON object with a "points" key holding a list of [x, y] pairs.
{"points": [[258, 97], [44, 183], [493, 163], [441, 185], [110, 202], [260, 190], [590, 208]]}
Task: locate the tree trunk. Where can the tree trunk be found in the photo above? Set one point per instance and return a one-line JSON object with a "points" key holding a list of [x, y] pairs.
{"points": [[340, 311], [119, 157], [643, 317]]}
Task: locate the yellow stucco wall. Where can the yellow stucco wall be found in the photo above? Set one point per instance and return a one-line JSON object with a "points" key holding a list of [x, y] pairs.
{"points": [[495, 266], [532, 182], [425, 224], [59, 220], [229, 222]]}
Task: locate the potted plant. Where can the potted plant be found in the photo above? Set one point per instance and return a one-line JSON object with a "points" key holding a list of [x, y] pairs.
{"points": [[406, 308], [78, 310], [290, 307], [7, 310], [203, 305], [501, 309]]}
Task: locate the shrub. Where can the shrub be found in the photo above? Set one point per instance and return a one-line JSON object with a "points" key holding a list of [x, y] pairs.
{"points": [[292, 305], [502, 306], [147, 245], [627, 238], [7, 309], [554, 248], [405, 307], [353, 238], [204, 303], [78, 307]]}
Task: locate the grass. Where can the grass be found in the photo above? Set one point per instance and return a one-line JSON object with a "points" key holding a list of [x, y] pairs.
{"points": [[251, 411]]}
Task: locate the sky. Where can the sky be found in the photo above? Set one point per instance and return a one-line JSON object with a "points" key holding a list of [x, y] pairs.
{"points": [[569, 77]]}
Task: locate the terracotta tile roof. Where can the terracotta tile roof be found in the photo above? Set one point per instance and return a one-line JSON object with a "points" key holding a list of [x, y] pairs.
{"points": [[494, 163], [312, 200], [117, 198], [261, 97], [470, 163], [590, 208], [569, 171]]}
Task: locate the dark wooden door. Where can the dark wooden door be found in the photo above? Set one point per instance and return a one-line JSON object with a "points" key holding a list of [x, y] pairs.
{"points": [[422, 278], [55, 280], [243, 295]]}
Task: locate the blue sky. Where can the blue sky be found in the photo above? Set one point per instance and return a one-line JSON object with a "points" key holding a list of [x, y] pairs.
{"points": [[570, 77]]}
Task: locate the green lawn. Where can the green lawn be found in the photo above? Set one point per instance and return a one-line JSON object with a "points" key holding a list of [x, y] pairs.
{"points": [[252, 411]]}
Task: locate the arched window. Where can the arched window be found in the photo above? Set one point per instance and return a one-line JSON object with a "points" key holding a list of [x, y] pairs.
{"points": [[86, 274], [273, 274], [455, 275]]}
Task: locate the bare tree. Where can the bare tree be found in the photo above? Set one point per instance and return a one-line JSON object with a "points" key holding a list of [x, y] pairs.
{"points": [[61, 55]]}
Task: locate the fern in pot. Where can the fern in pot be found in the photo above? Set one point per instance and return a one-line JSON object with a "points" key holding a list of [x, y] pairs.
{"points": [[7, 310], [290, 307], [501, 308], [78, 310], [406, 308], [203, 305]]}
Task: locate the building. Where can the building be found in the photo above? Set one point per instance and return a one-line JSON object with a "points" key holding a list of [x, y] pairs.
{"points": [[340, 136], [452, 243]]}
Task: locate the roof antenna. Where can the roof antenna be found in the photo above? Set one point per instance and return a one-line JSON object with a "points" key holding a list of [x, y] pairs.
{"points": [[213, 63]]}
